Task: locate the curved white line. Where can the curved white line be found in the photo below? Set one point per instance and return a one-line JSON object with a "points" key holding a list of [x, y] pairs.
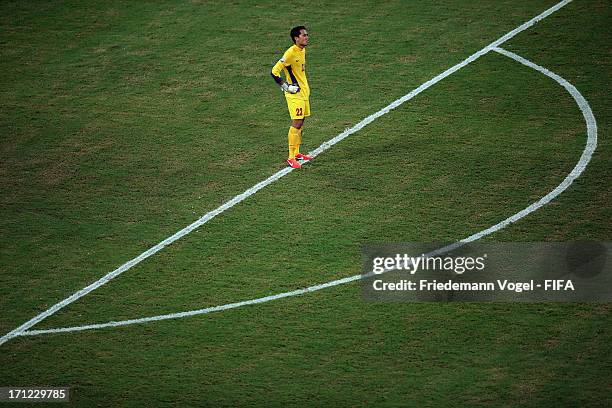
{"points": [[585, 158]]}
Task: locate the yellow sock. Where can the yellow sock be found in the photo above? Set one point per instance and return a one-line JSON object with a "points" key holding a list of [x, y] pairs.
{"points": [[299, 141], [293, 140]]}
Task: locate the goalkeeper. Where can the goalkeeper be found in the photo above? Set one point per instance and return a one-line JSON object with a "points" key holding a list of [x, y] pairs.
{"points": [[296, 90]]}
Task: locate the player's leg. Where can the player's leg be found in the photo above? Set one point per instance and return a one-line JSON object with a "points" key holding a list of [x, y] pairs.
{"points": [[292, 141], [297, 124], [299, 155], [296, 111]]}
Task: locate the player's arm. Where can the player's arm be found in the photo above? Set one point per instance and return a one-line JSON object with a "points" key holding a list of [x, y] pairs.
{"points": [[276, 74]]}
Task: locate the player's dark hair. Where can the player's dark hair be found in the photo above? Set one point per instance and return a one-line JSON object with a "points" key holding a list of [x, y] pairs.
{"points": [[295, 32]]}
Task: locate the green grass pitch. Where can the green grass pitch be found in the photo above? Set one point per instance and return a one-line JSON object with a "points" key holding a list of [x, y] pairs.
{"points": [[123, 121]]}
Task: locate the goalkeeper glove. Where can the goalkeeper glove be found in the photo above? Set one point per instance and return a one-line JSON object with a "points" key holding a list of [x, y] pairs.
{"points": [[292, 89]]}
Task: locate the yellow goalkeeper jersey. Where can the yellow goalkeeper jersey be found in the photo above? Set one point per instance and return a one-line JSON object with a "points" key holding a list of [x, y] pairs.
{"points": [[293, 65]]}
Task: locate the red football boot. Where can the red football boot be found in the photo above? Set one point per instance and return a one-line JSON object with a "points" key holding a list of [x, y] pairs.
{"points": [[294, 163], [304, 157]]}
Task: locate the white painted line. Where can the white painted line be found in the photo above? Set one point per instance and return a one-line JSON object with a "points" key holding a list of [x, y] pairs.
{"points": [[585, 158], [589, 118], [207, 217]]}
